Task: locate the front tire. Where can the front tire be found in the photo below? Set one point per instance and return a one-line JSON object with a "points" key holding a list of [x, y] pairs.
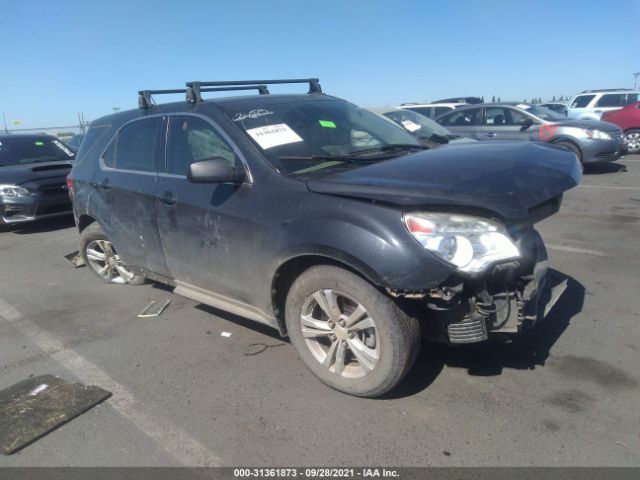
{"points": [[632, 139], [572, 148], [350, 335], [101, 257]]}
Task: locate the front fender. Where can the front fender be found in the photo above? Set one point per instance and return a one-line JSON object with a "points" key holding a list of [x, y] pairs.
{"points": [[386, 256]]}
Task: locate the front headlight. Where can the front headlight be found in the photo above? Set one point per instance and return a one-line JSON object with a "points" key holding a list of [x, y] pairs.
{"points": [[470, 243], [598, 134], [12, 191]]}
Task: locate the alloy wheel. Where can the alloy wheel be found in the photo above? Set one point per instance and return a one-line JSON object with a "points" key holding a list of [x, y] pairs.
{"points": [[632, 139], [105, 261], [340, 334]]}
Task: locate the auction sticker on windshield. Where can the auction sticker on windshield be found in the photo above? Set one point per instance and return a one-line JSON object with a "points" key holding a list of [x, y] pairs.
{"points": [[274, 135], [411, 126]]}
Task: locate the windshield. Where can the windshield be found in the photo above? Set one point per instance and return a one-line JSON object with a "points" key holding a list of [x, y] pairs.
{"points": [[419, 125], [542, 112], [304, 137], [23, 150]]}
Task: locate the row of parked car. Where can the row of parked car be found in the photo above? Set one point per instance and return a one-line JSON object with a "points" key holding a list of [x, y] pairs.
{"points": [[518, 120], [352, 233]]}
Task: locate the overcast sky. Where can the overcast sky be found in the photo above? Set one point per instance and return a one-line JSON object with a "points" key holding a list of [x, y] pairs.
{"points": [[63, 57]]}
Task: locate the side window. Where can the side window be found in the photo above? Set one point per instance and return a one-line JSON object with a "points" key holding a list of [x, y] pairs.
{"points": [[462, 118], [581, 101], [630, 98], [134, 147], [440, 111], [514, 117], [496, 116], [426, 111], [192, 139], [610, 100]]}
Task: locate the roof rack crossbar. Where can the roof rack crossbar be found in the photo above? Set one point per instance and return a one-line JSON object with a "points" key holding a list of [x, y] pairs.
{"points": [[145, 101], [196, 87], [608, 90]]}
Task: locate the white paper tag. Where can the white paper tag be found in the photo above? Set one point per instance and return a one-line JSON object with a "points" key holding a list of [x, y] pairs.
{"points": [[523, 106], [409, 125], [226, 334], [274, 135]]}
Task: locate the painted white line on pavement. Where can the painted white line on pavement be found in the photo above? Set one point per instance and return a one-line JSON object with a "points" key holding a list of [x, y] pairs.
{"points": [[610, 187], [585, 251], [170, 438]]}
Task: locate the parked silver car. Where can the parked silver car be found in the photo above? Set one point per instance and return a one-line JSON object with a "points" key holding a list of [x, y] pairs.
{"points": [[592, 141]]}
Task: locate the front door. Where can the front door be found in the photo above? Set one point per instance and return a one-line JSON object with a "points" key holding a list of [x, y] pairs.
{"points": [[207, 239], [501, 123]]}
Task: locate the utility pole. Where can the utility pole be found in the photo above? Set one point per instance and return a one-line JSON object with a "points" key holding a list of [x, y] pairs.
{"points": [[5, 123], [635, 79]]}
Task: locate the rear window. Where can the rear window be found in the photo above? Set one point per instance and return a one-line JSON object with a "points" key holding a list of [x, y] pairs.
{"points": [[24, 150], [581, 101]]}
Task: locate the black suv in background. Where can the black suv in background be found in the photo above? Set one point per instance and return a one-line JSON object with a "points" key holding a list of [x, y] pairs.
{"points": [[33, 170], [322, 220]]}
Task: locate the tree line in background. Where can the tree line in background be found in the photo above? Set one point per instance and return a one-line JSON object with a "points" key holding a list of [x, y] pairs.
{"points": [[562, 98]]}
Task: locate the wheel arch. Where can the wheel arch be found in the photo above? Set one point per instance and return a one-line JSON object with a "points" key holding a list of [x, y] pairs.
{"points": [[291, 268]]}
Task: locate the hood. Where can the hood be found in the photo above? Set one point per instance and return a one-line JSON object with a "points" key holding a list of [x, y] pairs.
{"points": [[19, 174], [589, 124], [507, 178]]}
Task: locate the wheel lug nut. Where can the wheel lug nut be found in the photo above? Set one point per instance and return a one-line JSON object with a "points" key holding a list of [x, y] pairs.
{"points": [[332, 338], [332, 324], [342, 323], [352, 335]]}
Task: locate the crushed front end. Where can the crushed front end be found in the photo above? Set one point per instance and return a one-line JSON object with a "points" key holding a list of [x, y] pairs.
{"points": [[508, 299]]}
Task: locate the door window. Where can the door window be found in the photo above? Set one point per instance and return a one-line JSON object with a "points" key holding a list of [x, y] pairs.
{"points": [[192, 139], [610, 100], [461, 118], [495, 116], [426, 111], [134, 146], [581, 101]]}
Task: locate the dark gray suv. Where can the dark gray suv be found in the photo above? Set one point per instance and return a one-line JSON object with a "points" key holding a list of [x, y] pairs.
{"points": [[325, 221]]}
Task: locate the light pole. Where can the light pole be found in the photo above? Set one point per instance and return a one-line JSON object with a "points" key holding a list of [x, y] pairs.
{"points": [[5, 123], [635, 79]]}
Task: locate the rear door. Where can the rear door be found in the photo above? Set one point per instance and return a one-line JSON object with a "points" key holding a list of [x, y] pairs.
{"points": [[126, 183], [203, 226], [465, 122], [503, 123]]}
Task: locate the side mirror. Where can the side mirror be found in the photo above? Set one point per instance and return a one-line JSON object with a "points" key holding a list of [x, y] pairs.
{"points": [[215, 170], [526, 124]]}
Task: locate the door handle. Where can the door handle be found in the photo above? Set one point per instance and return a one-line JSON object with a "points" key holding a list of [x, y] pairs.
{"points": [[105, 185], [169, 198], [490, 134]]}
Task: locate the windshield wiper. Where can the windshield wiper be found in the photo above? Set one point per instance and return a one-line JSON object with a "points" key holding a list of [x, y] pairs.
{"points": [[323, 158], [389, 148]]}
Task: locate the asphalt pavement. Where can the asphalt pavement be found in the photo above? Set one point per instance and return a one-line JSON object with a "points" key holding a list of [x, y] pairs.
{"points": [[567, 394]]}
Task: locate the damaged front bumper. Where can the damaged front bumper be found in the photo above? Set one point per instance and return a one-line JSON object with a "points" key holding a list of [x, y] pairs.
{"points": [[507, 301]]}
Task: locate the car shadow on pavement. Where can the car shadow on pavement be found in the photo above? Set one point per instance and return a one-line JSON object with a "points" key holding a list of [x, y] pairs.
{"points": [[489, 359], [604, 168], [40, 226]]}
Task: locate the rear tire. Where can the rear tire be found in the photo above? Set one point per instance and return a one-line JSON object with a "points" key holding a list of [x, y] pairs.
{"points": [[101, 257], [365, 344], [632, 140], [572, 148]]}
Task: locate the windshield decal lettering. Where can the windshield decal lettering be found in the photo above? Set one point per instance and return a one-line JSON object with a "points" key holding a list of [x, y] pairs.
{"points": [[256, 113], [63, 147], [327, 124], [274, 135]]}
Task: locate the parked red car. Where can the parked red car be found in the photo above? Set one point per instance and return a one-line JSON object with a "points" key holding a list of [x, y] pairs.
{"points": [[628, 119]]}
